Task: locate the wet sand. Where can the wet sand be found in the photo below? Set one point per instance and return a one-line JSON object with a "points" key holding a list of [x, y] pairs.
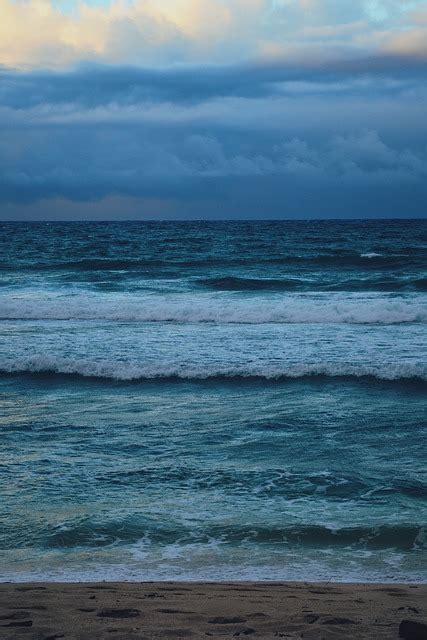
{"points": [[117, 611]]}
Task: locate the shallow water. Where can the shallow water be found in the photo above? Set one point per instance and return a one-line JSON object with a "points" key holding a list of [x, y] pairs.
{"points": [[213, 401]]}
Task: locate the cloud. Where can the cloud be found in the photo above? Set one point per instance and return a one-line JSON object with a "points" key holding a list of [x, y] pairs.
{"points": [[37, 34], [319, 130], [121, 90], [260, 139], [213, 108], [80, 167], [412, 42]]}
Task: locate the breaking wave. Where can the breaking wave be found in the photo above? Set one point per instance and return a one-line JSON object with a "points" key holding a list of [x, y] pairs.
{"points": [[128, 371], [284, 310], [91, 534]]}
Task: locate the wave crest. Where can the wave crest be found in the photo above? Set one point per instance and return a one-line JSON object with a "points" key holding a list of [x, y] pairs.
{"points": [[220, 310], [90, 534], [128, 371]]}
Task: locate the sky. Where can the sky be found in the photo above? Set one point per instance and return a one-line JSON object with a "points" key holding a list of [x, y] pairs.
{"points": [[213, 109]]}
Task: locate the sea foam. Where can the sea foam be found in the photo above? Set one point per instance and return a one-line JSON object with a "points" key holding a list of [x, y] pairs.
{"points": [[219, 309], [132, 370]]}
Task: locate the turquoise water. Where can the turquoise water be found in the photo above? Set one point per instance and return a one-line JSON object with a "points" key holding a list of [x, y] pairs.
{"points": [[213, 401]]}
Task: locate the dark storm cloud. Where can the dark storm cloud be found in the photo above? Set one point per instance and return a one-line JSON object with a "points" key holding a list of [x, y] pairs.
{"points": [[342, 138], [93, 85]]}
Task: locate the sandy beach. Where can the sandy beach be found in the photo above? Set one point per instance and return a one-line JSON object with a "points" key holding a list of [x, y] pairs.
{"points": [[50, 611]]}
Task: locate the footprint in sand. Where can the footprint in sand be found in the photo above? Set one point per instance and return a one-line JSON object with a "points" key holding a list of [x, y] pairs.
{"points": [[118, 613], [221, 620]]}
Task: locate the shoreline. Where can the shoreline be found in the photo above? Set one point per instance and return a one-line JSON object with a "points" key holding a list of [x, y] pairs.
{"points": [[152, 610]]}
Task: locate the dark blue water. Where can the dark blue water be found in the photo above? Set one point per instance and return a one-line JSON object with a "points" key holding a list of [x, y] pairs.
{"points": [[213, 400]]}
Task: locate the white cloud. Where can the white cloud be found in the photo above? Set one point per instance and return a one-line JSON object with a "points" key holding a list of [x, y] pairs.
{"points": [[36, 33], [412, 42]]}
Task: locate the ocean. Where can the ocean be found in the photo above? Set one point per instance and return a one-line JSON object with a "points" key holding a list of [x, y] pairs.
{"points": [[213, 401]]}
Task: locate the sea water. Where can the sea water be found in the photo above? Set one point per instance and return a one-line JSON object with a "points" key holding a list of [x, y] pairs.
{"points": [[213, 401]]}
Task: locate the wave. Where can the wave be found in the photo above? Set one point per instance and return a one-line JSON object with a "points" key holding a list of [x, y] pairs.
{"points": [[333, 260], [234, 283], [284, 310], [270, 483], [133, 529], [128, 371]]}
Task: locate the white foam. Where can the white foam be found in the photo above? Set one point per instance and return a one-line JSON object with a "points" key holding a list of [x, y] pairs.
{"points": [[371, 254], [214, 562], [127, 371], [219, 309]]}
